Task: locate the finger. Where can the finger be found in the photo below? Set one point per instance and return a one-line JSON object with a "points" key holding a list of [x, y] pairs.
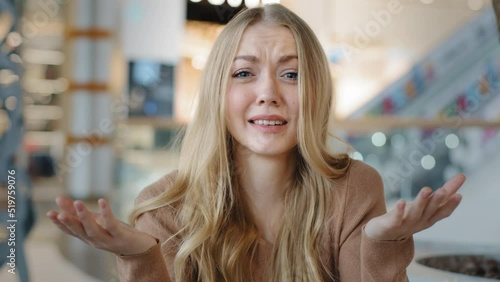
{"points": [[447, 209], [443, 194], [397, 213], [436, 200], [73, 224], [415, 210], [451, 186], [52, 215], [109, 222], [90, 227], [66, 204]]}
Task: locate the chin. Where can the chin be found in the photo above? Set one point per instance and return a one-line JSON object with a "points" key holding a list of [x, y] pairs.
{"points": [[271, 151]]}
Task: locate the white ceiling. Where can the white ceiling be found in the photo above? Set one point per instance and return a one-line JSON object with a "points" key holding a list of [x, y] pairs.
{"points": [[420, 25], [405, 37]]}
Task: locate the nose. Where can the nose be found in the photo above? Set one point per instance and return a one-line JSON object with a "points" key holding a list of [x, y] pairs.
{"points": [[268, 92]]}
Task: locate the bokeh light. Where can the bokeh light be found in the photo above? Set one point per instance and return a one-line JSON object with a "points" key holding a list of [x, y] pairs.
{"points": [[428, 162], [452, 141], [379, 139]]}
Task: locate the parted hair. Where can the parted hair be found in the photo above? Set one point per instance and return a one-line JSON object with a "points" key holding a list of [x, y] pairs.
{"points": [[219, 239]]}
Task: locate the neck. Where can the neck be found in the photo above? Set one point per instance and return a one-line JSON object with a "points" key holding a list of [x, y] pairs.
{"points": [[263, 178], [264, 181]]}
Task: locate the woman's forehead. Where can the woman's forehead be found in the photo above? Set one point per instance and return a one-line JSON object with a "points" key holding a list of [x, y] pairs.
{"points": [[264, 30], [261, 35]]}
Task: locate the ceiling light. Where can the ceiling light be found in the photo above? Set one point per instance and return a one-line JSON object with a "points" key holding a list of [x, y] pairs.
{"points": [[234, 3], [252, 3], [216, 2]]}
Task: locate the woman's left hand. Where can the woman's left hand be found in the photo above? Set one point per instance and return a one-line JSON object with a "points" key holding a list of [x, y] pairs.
{"points": [[409, 218]]}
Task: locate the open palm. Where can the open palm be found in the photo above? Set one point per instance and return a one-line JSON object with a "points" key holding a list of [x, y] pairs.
{"points": [[99, 229], [407, 219]]}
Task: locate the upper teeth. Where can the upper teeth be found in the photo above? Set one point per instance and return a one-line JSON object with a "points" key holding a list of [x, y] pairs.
{"points": [[269, 122]]}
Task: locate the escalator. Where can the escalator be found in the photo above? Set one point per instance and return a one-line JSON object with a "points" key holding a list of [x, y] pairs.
{"points": [[457, 81]]}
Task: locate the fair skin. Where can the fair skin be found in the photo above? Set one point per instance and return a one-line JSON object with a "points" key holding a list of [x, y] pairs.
{"points": [[409, 218], [262, 90], [99, 229]]}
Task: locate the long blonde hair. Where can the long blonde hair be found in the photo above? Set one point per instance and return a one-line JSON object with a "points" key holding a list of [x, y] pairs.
{"points": [[218, 236]]}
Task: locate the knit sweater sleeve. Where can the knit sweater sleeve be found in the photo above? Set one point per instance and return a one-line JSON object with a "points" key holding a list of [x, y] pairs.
{"points": [[360, 257], [151, 265]]}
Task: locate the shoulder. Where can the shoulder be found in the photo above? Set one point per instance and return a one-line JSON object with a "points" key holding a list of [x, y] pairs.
{"points": [[157, 188], [360, 175], [359, 197], [360, 189], [156, 219]]}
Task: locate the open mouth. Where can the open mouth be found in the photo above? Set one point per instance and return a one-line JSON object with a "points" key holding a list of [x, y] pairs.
{"points": [[269, 122]]}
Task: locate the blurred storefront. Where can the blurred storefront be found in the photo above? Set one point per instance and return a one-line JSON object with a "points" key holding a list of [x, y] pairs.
{"points": [[106, 85]]}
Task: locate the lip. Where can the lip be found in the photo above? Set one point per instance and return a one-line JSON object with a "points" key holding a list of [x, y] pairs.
{"points": [[269, 129], [268, 117]]}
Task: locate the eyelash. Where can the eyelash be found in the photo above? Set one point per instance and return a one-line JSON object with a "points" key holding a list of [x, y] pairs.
{"points": [[247, 74], [295, 74], [238, 74]]}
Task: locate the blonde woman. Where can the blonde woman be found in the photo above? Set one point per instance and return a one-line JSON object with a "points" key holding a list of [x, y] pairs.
{"points": [[257, 195]]}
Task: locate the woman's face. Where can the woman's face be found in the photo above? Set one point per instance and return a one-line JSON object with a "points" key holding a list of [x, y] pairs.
{"points": [[262, 104]]}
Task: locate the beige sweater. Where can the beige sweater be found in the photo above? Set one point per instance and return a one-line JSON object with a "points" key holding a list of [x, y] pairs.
{"points": [[359, 197]]}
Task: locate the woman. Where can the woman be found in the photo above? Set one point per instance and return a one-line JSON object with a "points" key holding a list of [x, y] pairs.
{"points": [[258, 196]]}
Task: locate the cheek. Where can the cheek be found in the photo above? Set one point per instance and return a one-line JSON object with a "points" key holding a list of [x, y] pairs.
{"points": [[294, 106], [237, 103], [230, 102], [235, 110]]}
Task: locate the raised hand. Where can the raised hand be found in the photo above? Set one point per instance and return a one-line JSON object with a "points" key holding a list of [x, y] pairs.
{"points": [[100, 230], [409, 218]]}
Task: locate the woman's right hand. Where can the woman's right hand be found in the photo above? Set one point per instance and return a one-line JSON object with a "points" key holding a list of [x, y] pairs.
{"points": [[100, 230]]}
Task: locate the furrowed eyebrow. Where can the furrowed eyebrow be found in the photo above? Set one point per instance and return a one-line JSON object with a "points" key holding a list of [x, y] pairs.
{"points": [[287, 58], [254, 59], [249, 58]]}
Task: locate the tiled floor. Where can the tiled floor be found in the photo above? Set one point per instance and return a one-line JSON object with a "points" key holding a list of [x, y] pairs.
{"points": [[47, 264]]}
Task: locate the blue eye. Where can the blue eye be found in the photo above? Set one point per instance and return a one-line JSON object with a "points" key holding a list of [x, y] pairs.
{"points": [[242, 74], [292, 75]]}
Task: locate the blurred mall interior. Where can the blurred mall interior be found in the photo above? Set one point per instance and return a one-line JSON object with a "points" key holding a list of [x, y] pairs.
{"points": [[93, 92]]}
